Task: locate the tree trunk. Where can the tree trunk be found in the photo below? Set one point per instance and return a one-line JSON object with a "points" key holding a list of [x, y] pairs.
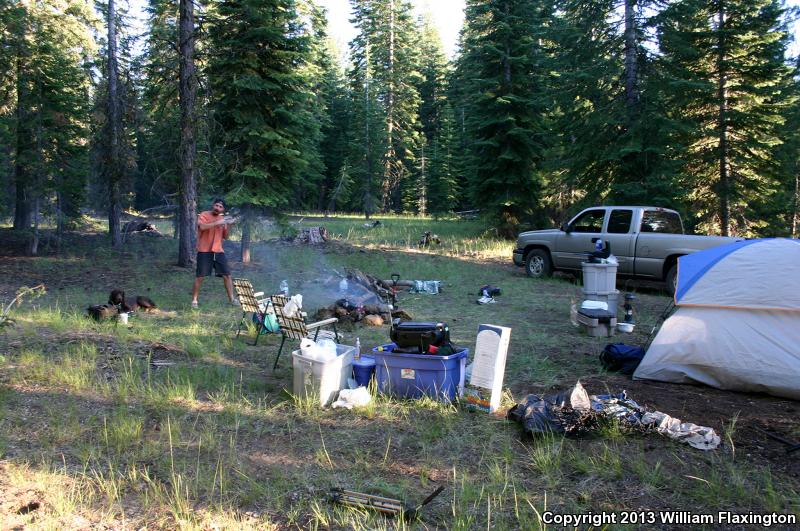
{"points": [[507, 55], [796, 205], [247, 226], [188, 93], [722, 127], [22, 206], [423, 185], [390, 155], [631, 74], [114, 116], [33, 250], [367, 140]]}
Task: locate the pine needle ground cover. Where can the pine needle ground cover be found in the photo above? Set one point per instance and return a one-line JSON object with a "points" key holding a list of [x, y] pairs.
{"points": [[173, 422]]}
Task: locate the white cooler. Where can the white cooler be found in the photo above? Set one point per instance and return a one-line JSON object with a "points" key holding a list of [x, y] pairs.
{"points": [[322, 379]]}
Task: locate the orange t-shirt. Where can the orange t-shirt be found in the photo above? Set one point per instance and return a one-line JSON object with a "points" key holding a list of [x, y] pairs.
{"points": [[210, 240]]}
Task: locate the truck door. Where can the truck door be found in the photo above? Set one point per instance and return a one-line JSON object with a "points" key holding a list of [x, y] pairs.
{"points": [[619, 234], [572, 246]]}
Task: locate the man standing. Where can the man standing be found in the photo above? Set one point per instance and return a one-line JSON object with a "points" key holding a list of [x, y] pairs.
{"points": [[212, 229]]}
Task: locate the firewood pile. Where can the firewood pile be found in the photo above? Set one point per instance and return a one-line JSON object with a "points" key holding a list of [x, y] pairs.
{"points": [[366, 298]]}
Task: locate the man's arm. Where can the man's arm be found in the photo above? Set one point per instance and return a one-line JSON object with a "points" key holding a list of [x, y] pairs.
{"points": [[206, 226]]}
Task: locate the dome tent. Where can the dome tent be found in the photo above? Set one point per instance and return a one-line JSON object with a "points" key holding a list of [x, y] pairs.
{"points": [[737, 325]]}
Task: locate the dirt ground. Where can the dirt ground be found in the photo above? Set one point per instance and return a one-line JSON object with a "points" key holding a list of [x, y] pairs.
{"points": [[736, 413]]}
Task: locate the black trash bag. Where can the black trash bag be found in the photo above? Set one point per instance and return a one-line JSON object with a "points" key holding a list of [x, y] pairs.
{"points": [[562, 413]]}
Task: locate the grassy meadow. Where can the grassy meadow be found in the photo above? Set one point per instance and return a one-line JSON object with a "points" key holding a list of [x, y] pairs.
{"points": [[175, 423]]}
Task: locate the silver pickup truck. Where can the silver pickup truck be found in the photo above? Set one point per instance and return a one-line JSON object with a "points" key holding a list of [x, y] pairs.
{"points": [[647, 242]]}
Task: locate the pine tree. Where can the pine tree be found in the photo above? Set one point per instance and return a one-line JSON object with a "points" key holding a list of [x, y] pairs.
{"points": [[157, 179], [444, 189], [46, 108], [388, 35], [114, 156], [782, 212], [113, 128], [314, 109], [187, 213], [433, 69], [260, 102], [724, 68], [367, 126], [336, 189], [503, 108]]}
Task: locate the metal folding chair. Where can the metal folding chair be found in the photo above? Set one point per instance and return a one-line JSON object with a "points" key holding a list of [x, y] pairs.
{"points": [[295, 326], [250, 304]]}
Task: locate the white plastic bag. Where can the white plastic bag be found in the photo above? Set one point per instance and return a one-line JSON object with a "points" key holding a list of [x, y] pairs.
{"points": [[327, 349], [351, 398], [294, 305]]}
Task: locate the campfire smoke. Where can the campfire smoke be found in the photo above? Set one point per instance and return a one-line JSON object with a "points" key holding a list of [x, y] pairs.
{"points": [[365, 298]]}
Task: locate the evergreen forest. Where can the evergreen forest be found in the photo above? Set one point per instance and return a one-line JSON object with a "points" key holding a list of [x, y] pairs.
{"points": [[546, 107]]}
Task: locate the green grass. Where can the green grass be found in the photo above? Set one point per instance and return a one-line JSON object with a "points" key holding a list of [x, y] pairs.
{"points": [[460, 238], [211, 437]]}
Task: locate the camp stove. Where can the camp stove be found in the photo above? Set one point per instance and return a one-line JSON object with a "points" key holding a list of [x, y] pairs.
{"points": [[419, 335]]}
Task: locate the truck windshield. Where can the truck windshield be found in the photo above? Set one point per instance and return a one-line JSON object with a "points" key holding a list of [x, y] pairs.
{"points": [[661, 221]]}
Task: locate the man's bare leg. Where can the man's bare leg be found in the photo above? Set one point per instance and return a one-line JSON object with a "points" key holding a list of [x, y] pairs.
{"points": [[198, 281], [226, 279]]}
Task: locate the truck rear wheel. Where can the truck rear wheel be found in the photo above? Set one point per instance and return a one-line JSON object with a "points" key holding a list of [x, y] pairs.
{"points": [[538, 264], [671, 279]]}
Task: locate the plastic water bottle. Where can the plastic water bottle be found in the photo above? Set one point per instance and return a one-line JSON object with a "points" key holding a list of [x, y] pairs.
{"points": [[284, 287], [598, 245], [357, 355], [343, 285]]}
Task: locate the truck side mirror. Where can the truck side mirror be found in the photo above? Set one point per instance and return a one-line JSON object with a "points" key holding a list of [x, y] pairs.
{"points": [[565, 227]]}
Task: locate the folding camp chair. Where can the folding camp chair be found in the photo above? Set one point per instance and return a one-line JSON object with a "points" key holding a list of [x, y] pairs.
{"points": [[295, 327], [250, 304]]}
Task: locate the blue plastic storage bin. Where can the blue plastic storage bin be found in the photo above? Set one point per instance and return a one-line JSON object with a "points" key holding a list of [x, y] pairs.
{"points": [[363, 369], [416, 375]]}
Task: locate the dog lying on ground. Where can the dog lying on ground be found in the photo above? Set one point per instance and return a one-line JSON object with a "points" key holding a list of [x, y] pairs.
{"points": [[118, 299], [103, 312], [118, 303]]}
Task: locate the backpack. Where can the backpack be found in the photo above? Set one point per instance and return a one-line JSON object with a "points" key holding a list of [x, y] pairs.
{"points": [[622, 358]]}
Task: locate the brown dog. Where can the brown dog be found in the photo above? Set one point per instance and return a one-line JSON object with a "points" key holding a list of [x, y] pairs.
{"points": [[118, 299]]}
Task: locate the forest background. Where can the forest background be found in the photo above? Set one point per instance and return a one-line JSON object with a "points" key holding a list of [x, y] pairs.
{"points": [[546, 106]]}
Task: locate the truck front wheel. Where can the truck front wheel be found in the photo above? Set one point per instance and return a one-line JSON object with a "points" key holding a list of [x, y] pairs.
{"points": [[538, 264]]}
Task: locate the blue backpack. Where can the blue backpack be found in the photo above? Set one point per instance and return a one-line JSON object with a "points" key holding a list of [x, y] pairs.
{"points": [[622, 358]]}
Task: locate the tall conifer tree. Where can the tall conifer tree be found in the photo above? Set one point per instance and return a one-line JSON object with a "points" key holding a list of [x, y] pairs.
{"points": [[260, 100], [503, 106], [724, 62]]}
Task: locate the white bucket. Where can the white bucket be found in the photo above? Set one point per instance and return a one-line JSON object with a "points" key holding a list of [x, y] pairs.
{"points": [[123, 317]]}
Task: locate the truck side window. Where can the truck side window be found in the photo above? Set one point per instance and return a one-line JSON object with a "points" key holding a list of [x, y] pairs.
{"points": [[661, 221], [590, 221], [619, 222]]}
